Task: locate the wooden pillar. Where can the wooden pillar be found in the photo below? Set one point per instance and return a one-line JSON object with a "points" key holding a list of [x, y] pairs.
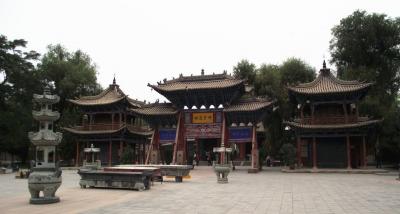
{"points": [[110, 153], [312, 113], [151, 146], [121, 148], [254, 152], [314, 153], [356, 111], [177, 136], [242, 151], [134, 153], [346, 117], [77, 154], [90, 121], [302, 113], [144, 152], [112, 121], [364, 153], [348, 149], [299, 164]]}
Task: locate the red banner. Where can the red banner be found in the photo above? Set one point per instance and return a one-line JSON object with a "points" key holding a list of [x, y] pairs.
{"points": [[203, 130]]}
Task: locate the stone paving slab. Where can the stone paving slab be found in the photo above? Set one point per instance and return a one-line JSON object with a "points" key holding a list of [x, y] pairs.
{"points": [[264, 192]]}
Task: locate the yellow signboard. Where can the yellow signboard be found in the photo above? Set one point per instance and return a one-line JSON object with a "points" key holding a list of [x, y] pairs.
{"points": [[203, 118]]}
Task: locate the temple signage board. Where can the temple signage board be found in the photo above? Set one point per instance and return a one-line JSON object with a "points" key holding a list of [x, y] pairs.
{"points": [[240, 134], [203, 131], [167, 135], [203, 118]]}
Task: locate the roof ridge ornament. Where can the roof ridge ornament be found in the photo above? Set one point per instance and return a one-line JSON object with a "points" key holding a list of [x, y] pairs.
{"points": [[114, 82], [325, 71]]}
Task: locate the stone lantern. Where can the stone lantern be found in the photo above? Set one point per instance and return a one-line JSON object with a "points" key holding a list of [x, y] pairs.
{"points": [[45, 175]]}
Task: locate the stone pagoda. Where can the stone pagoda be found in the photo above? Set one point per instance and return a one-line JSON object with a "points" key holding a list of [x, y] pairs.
{"points": [[45, 175]]}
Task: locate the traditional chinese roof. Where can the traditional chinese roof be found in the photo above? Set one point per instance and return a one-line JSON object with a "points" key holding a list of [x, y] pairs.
{"points": [[139, 131], [200, 90], [253, 109], [326, 84], [135, 102], [157, 113], [91, 132], [249, 105], [156, 109], [310, 127], [112, 94]]}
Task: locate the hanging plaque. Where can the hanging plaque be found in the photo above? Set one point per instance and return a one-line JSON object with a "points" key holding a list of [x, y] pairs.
{"points": [[203, 118]]}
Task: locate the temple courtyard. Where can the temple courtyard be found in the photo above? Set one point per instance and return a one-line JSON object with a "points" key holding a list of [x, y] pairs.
{"points": [[269, 191]]}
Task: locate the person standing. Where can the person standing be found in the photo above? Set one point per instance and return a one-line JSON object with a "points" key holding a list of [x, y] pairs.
{"points": [[209, 158], [195, 162]]}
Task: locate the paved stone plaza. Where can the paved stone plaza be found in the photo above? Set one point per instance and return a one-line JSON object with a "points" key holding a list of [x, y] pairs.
{"points": [[266, 192]]}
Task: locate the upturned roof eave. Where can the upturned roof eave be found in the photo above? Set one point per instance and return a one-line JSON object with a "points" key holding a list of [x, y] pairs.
{"points": [[332, 126], [77, 102], [231, 109], [163, 90]]}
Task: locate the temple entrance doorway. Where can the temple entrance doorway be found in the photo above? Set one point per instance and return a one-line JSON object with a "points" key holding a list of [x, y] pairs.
{"points": [[206, 146], [166, 153]]}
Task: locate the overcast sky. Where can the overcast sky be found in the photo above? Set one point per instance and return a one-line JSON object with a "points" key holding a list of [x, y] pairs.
{"points": [[146, 41]]}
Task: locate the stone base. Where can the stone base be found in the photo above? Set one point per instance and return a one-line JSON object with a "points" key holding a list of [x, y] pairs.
{"points": [[222, 180], [178, 179], [253, 170], [44, 200]]}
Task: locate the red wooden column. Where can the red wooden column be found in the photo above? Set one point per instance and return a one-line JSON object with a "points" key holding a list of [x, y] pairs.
{"points": [[242, 151], [77, 154], [110, 153], [314, 153], [179, 146], [364, 153], [348, 149], [299, 164], [154, 148], [254, 152]]}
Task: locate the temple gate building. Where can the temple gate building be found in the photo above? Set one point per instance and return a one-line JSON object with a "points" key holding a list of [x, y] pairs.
{"points": [[108, 125], [329, 131], [204, 110]]}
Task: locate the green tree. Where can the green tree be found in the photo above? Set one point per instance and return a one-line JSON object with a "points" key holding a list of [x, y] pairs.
{"points": [[271, 81], [294, 71], [19, 81], [366, 47], [72, 74], [245, 70]]}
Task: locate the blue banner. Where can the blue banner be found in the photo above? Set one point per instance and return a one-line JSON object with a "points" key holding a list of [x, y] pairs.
{"points": [[240, 134], [167, 135]]}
